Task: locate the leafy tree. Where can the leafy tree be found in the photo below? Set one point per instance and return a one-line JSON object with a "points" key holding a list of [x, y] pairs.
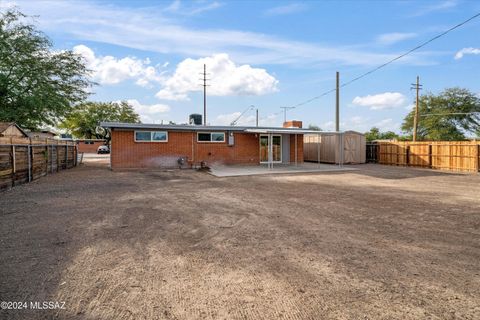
{"points": [[83, 121], [314, 127], [446, 116], [38, 86], [375, 134]]}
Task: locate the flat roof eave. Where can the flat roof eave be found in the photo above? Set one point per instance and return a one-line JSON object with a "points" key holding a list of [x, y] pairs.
{"points": [[185, 127]]}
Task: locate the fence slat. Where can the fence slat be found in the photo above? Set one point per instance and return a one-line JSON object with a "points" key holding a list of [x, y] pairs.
{"points": [[444, 155], [24, 160]]}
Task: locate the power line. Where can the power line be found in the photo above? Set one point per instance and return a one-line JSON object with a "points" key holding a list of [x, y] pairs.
{"points": [[386, 63], [448, 114]]}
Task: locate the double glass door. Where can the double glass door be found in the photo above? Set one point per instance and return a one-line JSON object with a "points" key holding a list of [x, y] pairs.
{"points": [[276, 150]]}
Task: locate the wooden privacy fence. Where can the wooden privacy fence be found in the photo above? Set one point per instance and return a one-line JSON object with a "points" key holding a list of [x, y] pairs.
{"points": [[23, 160], [443, 155]]}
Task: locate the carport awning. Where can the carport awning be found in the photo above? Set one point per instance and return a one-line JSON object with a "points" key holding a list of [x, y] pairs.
{"points": [[284, 130]]}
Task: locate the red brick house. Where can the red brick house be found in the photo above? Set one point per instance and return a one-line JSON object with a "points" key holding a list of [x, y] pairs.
{"points": [[136, 145]]}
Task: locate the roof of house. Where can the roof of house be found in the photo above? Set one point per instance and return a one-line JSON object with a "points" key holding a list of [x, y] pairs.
{"points": [[188, 127], [5, 125]]}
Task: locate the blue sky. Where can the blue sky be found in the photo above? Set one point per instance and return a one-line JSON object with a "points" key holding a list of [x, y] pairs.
{"points": [[266, 53]]}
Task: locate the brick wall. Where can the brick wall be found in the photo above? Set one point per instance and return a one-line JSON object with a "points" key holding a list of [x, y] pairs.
{"points": [[299, 148], [89, 148], [126, 153]]}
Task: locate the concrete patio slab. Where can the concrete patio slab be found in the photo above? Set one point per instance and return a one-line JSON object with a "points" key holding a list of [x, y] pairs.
{"points": [[234, 170]]}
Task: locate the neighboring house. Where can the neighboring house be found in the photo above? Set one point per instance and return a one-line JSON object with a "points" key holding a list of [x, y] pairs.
{"points": [[89, 145], [11, 130], [42, 134], [136, 145]]}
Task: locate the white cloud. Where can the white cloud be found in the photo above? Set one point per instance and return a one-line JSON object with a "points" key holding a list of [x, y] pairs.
{"points": [[245, 120], [227, 79], [387, 125], [357, 123], [152, 113], [394, 37], [387, 100], [110, 70], [286, 9], [362, 124], [464, 51], [193, 9], [152, 29]]}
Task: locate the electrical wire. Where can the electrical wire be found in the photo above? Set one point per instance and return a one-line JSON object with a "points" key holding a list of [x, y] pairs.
{"points": [[386, 63]]}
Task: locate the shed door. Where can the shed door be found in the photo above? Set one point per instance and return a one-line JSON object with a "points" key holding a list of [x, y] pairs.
{"points": [[350, 149]]}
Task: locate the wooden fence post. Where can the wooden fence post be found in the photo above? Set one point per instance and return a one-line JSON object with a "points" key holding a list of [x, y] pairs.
{"points": [[56, 149], [14, 169], [407, 157], [29, 155], [429, 155], [51, 158], [476, 160], [46, 156]]}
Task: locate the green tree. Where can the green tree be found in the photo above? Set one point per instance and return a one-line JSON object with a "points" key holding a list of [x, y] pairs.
{"points": [[314, 127], [375, 134], [38, 86], [449, 115], [83, 121]]}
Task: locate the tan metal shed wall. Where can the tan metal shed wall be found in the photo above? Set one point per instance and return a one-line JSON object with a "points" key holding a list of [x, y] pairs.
{"points": [[354, 143]]}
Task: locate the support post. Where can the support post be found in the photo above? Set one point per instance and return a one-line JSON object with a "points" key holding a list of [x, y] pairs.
{"points": [[257, 118], [407, 156], [14, 165], [337, 104], [341, 150], [29, 163], [51, 158], [296, 150], [270, 151], [318, 149], [46, 156], [56, 147], [204, 94], [430, 156], [415, 119], [477, 160]]}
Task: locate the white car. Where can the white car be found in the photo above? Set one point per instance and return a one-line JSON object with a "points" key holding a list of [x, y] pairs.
{"points": [[103, 149]]}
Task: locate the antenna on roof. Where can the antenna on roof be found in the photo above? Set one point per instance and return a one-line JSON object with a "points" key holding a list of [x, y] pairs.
{"points": [[234, 122]]}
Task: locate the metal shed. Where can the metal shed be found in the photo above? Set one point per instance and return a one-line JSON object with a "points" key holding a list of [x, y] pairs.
{"points": [[335, 147]]}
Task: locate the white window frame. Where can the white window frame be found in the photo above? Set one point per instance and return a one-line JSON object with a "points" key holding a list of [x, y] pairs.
{"points": [[151, 135], [210, 133], [268, 148]]}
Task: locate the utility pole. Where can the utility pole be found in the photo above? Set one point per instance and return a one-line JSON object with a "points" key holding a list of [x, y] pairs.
{"points": [[337, 104], [205, 85], [285, 112], [417, 86], [257, 117]]}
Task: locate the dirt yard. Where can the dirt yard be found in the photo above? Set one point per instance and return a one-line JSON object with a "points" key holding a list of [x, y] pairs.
{"points": [[377, 243]]}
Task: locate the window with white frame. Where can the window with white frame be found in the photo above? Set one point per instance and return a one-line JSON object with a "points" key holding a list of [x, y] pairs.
{"points": [[151, 136], [211, 137]]}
